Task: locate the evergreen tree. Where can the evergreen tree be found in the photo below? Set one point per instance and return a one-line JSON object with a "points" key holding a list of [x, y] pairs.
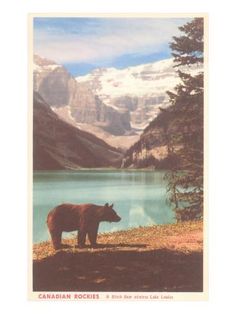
{"points": [[185, 125]]}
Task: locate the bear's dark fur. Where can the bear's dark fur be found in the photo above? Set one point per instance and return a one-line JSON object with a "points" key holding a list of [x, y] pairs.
{"points": [[82, 217]]}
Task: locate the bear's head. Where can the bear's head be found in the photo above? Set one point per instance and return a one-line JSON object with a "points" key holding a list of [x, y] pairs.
{"points": [[108, 214]]}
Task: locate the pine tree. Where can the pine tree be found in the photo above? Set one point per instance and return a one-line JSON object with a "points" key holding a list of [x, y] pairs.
{"points": [[185, 126]]}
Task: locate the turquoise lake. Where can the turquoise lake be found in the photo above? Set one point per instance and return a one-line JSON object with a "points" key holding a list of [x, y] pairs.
{"points": [[139, 197]]}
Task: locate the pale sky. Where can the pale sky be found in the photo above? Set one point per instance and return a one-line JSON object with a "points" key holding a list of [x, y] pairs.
{"points": [[87, 43]]}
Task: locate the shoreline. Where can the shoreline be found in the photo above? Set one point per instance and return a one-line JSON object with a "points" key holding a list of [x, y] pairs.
{"points": [[102, 169], [160, 258], [182, 236]]}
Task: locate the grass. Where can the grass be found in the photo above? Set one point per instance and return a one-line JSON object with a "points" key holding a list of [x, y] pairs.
{"points": [[154, 258]]}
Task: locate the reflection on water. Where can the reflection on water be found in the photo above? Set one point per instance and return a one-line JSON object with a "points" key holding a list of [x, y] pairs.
{"points": [[139, 197]]}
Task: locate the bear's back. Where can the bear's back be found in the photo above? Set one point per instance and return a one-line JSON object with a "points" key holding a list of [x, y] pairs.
{"points": [[69, 212]]}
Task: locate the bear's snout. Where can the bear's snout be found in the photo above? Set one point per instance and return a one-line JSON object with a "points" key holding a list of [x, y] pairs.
{"points": [[114, 218], [118, 218]]}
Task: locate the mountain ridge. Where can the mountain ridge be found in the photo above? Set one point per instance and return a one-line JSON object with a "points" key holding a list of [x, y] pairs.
{"points": [[115, 105], [140, 89], [81, 107], [59, 145]]}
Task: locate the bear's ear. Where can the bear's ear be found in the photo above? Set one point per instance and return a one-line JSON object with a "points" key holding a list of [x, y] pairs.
{"points": [[111, 206], [106, 205]]}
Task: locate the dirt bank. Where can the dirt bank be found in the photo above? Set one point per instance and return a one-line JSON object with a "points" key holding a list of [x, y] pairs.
{"points": [[155, 258]]}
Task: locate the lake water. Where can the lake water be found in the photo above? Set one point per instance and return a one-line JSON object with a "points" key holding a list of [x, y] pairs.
{"points": [[139, 197]]}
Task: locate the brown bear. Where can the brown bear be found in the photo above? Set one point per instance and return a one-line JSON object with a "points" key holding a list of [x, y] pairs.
{"points": [[82, 217]]}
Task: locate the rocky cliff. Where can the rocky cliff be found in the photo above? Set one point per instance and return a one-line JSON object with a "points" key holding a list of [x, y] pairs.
{"points": [[59, 145], [116, 105], [75, 102], [150, 151], [139, 89]]}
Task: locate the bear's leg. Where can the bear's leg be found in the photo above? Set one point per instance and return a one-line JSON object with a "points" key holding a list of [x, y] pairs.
{"points": [[56, 239], [81, 238], [92, 234]]}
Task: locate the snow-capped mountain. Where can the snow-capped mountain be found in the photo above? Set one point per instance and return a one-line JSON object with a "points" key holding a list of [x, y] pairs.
{"points": [[76, 103], [140, 89], [115, 105]]}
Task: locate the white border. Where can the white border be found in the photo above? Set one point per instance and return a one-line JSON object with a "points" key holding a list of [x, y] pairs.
{"points": [[222, 127]]}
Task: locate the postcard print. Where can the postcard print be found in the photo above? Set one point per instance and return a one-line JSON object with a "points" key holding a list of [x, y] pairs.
{"points": [[118, 198]]}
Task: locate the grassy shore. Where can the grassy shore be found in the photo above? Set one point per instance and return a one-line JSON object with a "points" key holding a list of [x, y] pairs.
{"points": [[155, 258]]}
